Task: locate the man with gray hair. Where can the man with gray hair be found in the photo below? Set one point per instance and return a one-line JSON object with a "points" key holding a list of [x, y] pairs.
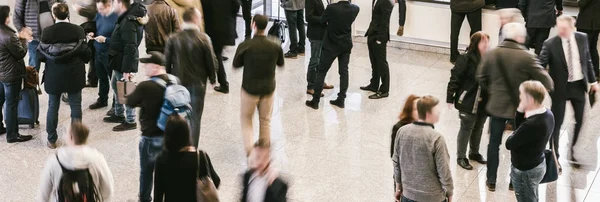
{"points": [[500, 74]]}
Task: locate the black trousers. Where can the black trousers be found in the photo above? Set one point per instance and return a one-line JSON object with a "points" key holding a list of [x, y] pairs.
{"points": [[380, 69], [593, 41], [327, 58], [576, 93], [247, 15], [402, 12], [536, 38], [221, 74], [456, 22]]}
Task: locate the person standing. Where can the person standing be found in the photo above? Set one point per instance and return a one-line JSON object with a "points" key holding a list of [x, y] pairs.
{"points": [[465, 93], [294, 15], [259, 56], [27, 15], [500, 74], [64, 50], [189, 56], [569, 63], [540, 17], [378, 35], [13, 48], [534, 125], [162, 22], [220, 24], [407, 116], [315, 32], [588, 21], [421, 159], [507, 15], [123, 53], [401, 16], [337, 43], [461, 9], [247, 15], [88, 10]]}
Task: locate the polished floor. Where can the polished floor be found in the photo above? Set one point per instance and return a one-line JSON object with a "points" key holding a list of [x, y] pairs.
{"points": [[329, 154]]}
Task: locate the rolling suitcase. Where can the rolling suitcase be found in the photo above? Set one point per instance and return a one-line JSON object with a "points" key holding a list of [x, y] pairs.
{"points": [[28, 110]]}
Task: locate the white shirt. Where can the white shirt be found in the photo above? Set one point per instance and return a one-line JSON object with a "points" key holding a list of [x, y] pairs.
{"points": [[535, 112], [325, 3], [186, 26], [576, 60], [66, 20], [257, 188]]}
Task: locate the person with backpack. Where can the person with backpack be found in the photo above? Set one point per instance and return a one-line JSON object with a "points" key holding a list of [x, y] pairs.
{"points": [[76, 164], [149, 96]]}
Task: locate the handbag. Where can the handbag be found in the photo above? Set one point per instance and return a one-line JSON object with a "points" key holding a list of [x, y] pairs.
{"points": [[124, 88], [552, 171], [206, 191]]}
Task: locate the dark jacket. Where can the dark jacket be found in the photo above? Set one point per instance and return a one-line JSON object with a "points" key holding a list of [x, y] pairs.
{"points": [[314, 11], [589, 15], [259, 56], [519, 66], [276, 192], [380, 20], [463, 88], [507, 4], [162, 22], [64, 50], [88, 10], [466, 6], [190, 57], [395, 129], [528, 142], [540, 13], [552, 57], [123, 52], [12, 52], [339, 18], [27, 15], [220, 21]]}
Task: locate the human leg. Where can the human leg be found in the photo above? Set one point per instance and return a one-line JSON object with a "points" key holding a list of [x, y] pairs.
{"points": [[292, 22], [371, 46], [526, 183], [265, 109], [325, 62], [301, 32], [497, 125], [315, 55], [103, 73], [248, 105], [75, 104], [476, 133], [149, 149], [343, 61], [541, 36], [456, 21], [221, 74], [52, 117], [474, 19], [10, 95], [247, 14], [467, 124], [383, 67], [558, 109], [197, 94], [32, 51]]}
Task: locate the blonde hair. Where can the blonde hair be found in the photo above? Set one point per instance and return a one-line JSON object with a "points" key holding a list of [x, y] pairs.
{"points": [[565, 18], [535, 89]]}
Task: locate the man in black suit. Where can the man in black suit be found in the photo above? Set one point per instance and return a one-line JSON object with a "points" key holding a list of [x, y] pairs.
{"points": [[220, 23], [337, 43], [588, 21], [540, 17], [378, 35], [570, 66], [315, 33]]}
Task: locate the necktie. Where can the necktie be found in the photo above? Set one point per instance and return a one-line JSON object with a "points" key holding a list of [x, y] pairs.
{"points": [[570, 60]]}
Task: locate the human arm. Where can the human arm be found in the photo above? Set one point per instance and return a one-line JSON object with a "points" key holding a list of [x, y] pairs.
{"points": [[583, 3], [169, 55], [521, 134], [17, 46], [311, 14], [559, 5], [46, 184], [326, 15], [483, 73], [106, 180], [545, 55], [212, 62], [280, 58], [522, 5], [396, 162], [238, 59], [19, 14], [442, 162], [456, 77], [538, 73], [138, 95], [130, 51], [175, 21]]}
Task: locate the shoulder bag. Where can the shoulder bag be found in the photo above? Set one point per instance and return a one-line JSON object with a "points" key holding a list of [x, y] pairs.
{"points": [[206, 191], [552, 167]]}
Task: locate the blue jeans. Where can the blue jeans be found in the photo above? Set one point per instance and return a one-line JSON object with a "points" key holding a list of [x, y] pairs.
{"points": [[404, 199], [120, 108], [9, 93], [197, 94], [315, 57], [52, 116], [295, 21], [526, 183], [150, 148], [497, 126], [32, 49], [104, 75]]}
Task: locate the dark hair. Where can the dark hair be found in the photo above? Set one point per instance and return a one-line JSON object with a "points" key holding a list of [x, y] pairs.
{"points": [[4, 14], [177, 133], [79, 132], [127, 3], [260, 21], [407, 110], [475, 40], [425, 104], [61, 11], [104, 1], [189, 13]]}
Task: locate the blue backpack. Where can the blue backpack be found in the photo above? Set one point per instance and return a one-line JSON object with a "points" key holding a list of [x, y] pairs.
{"points": [[177, 100]]}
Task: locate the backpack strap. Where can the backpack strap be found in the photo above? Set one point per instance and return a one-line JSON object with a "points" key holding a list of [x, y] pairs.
{"points": [[172, 80], [159, 81]]}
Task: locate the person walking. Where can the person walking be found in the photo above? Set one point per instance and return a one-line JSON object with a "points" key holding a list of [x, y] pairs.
{"points": [[64, 49], [421, 159], [534, 125], [567, 58], [259, 56], [315, 32], [13, 48], [123, 53], [588, 22], [502, 70], [190, 57], [337, 43], [461, 9], [294, 15], [465, 93], [378, 35], [162, 22], [262, 182], [540, 17], [507, 15]]}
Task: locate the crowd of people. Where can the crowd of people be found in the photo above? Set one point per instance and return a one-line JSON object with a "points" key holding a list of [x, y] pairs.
{"points": [[184, 48]]}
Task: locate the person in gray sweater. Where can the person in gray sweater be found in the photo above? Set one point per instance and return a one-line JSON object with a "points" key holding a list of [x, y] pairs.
{"points": [[294, 15], [421, 159]]}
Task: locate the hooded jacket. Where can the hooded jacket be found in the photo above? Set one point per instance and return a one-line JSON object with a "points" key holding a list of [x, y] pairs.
{"points": [[463, 88], [76, 157], [12, 52], [123, 48]]}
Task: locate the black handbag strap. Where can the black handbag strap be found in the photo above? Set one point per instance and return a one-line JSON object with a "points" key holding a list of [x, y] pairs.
{"points": [[501, 66], [202, 158]]}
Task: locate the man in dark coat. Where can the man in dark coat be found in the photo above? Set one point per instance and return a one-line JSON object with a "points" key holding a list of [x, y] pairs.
{"points": [[64, 50], [588, 21], [461, 9], [315, 34], [220, 23], [88, 10], [378, 35], [540, 17]]}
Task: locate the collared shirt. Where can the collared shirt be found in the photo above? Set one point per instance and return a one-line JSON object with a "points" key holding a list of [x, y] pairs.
{"points": [[575, 59], [421, 123], [325, 3], [257, 187], [65, 20], [185, 26], [535, 112]]}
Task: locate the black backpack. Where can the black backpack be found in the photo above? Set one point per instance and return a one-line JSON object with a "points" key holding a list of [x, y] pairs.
{"points": [[76, 186], [278, 30]]}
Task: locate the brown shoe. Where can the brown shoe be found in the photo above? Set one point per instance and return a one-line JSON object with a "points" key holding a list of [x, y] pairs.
{"points": [[327, 86], [400, 31], [51, 145], [312, 92]]}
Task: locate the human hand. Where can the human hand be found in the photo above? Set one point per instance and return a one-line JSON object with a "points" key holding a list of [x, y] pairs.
{"points": [[90, 36], [25, 34], [127, 76], [559, 13], [449, 198], [594, 88], [100, 39], [398, 195]]}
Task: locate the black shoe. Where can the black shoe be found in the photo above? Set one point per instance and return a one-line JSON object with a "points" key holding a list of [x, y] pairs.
{"points": [[114, 119], [111, 111], [491, 186], [222, 89], [225, 58], [464, 163], [338, 102], [98, 105], [301, 51], [91, 85], [125, 127], [64, 97], [291, 55], [20, 138], [369, 88], [379, 95], [478, 158], [510, 187], [311, 104], [2, 130]]}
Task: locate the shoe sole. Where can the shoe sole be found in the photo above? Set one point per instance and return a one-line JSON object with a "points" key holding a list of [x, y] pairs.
{"points": [[301, 54], [121, 130]]}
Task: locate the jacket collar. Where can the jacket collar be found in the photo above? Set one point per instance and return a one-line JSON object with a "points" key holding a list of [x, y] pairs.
{"points": [[419, 123], [512, 44], [7, 28]]}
